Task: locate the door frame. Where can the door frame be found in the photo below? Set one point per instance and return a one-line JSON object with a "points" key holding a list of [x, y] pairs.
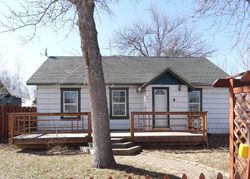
{"points": [[153, 104]]}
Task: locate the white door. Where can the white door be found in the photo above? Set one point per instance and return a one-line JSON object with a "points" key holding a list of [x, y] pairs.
{"points": [[160, 104]]}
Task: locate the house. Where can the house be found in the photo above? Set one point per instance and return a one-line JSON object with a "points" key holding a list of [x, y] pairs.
{"points": [[9, 96], [136, 84]]}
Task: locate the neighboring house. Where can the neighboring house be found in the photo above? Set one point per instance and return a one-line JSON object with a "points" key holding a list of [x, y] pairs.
{"points": [[9, 97], [136, 84]]}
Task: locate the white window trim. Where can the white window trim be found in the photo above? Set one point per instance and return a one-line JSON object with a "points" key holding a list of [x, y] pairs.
{"points": [[125, 114], [77, 102], [199, 103]]}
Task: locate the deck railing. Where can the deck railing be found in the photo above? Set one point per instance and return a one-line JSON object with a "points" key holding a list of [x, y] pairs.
{"points": [[43, 123], [194, 122]]}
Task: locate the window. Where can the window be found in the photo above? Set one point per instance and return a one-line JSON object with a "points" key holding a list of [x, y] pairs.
{"points": [[195, 100], [119, 103], [70, 100]]}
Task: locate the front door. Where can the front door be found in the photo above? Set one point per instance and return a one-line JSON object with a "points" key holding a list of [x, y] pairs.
{"points": [[160, 104]]}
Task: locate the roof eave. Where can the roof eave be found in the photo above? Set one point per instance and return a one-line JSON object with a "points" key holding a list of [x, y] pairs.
{"points": [[109, 84]]}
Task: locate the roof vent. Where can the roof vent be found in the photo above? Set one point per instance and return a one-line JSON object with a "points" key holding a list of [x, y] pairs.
{"points": [[52, 57], [170, 53]]}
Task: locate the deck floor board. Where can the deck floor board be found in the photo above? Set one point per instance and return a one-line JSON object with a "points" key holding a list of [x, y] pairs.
{"points": [[29, 140], [113, 134]]}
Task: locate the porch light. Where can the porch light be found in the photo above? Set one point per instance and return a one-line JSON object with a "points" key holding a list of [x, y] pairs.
{"points": [[179, 87]]}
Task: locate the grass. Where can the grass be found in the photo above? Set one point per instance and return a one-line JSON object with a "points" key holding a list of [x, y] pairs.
{"points": [[36, 164], [66, 163]]}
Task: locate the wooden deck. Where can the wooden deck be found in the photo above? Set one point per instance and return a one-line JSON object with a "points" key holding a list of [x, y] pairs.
{"points": [[45, 140], [36, 130]]}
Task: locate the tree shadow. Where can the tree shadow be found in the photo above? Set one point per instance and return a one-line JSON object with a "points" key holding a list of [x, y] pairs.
{"points": [[129, 169], [143, 172]]}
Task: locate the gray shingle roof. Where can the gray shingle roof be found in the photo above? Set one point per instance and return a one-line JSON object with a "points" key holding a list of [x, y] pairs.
{"points": [[126, 70]]}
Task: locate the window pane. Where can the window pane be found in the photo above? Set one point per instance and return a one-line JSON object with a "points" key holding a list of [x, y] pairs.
{"points": [[194, 107], [73, 97], [70, 96], [194, 96], [66, 96], [116, 99], [160, 92], [70, 108], [119, 95], [119, 109]]}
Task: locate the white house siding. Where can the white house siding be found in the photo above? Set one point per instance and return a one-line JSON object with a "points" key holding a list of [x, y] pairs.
{"points": [[216, 103], [178, 101], [49, 100]]}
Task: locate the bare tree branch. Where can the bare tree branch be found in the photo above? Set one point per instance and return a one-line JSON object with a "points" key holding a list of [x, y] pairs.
{"points": [[161, 37], [228, 13], [35, 14], [12, 83]]}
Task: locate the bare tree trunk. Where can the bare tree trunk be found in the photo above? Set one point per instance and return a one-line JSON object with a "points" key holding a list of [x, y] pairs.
{"points": [[103, 156]]}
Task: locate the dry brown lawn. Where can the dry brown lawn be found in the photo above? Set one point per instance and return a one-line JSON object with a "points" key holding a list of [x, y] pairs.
{"points": [[65, 163], [41, 164]]}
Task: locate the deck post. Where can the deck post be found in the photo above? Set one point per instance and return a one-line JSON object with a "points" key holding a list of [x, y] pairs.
{"points": [[188, 122], [204, 128], [231, 126], [29, 123], [82, 116], [132, 126], [11, 128], [89, 125]]}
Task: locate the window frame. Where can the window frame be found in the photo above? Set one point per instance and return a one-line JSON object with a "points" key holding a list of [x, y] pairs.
{"points": [[200, 103], [78, 90], [126, 116]]}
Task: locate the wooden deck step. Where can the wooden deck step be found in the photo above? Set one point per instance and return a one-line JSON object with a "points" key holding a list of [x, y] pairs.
{"points": [[127, 151], [117, 139], [122, 144]]}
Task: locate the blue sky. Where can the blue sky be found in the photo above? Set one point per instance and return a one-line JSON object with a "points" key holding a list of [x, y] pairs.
{"points": [[28, 57]]}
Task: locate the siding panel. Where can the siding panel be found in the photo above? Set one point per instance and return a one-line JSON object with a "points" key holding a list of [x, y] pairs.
{"points": [[216, 103]]}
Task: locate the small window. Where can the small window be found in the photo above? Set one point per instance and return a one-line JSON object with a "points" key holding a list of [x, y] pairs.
{"points": [[119, 103], [194, 98], [70, 100]]}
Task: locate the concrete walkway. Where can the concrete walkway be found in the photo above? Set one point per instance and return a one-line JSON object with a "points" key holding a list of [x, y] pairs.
{"points": [[175, 167]]}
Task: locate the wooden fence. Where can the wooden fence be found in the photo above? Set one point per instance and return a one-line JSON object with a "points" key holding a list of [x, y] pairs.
{"points": [[4, 111], [184, 176], [239, 118]]}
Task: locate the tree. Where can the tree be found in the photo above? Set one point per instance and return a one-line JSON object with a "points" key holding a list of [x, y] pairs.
{"points": [[245, 60], [228, 14], [13, 84], [161, 37], [58, 13]]}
